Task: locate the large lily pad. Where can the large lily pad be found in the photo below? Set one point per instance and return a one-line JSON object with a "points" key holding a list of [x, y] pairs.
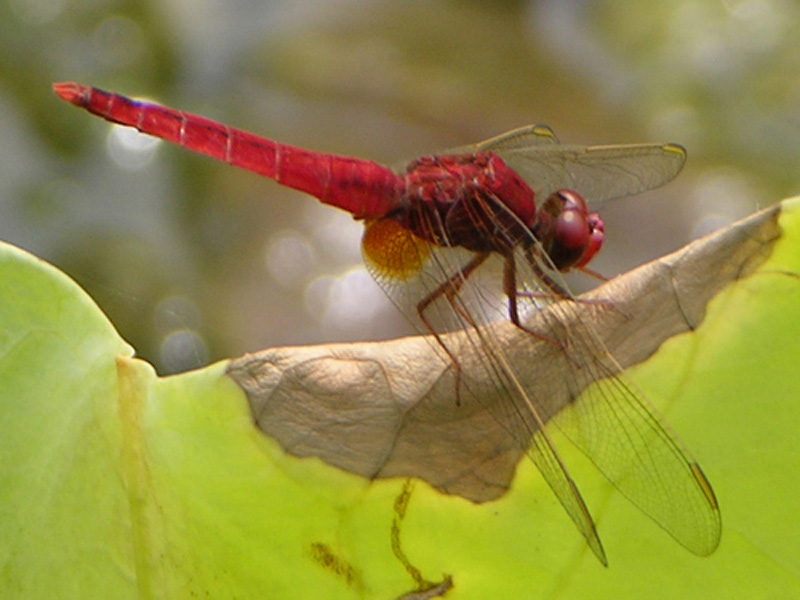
{"points": [[116, 483]]}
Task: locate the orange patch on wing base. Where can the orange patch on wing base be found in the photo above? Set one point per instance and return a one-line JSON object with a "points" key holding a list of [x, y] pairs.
{"points": [[392, 250]]}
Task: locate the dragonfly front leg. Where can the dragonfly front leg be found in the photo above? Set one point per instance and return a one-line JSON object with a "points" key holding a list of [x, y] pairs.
{"points": [[513, 295], [558, 289]]}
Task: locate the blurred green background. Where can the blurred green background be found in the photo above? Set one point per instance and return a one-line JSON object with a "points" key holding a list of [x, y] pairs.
{"points": [[195, 261]]}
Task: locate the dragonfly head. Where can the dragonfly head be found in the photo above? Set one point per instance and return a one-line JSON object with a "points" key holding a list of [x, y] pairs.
{"points": [[569, 233]]}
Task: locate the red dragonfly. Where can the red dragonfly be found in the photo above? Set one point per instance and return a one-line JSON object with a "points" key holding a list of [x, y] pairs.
{"points": [[428, 230]]}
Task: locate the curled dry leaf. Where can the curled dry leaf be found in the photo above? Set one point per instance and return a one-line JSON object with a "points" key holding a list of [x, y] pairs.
{"points": [[390, 409]]}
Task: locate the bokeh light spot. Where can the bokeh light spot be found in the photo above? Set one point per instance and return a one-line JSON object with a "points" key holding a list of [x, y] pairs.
{"points": [[182, 350], [289, 259], [129, 149]]}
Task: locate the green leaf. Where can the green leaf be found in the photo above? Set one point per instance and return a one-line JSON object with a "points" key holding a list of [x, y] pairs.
{"points": [[116, 483], [63, 511]]}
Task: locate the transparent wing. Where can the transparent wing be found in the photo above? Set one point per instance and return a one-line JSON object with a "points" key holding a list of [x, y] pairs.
{"points": [[524, 419], [611, 421], [522, 137], [614, 426], [598, 173], [577, 384], [601, 412]]}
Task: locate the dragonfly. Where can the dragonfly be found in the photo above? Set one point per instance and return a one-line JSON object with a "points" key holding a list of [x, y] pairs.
{"points": [[525, 203]]}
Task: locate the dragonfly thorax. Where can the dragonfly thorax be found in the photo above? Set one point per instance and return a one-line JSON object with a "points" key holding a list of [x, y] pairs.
{"points": [[473, 200]]}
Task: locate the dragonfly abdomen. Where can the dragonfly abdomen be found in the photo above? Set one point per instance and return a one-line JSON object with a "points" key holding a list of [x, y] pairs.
{"points": [[365, 189]]}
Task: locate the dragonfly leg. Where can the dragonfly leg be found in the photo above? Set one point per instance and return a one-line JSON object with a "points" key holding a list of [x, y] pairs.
{"points": [[592, 273], [449, 289], [601, 302], [510, 289], [561, 292]]}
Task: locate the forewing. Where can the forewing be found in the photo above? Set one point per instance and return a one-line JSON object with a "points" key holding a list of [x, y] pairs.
{"points": [[597, 173], [610, 420]]}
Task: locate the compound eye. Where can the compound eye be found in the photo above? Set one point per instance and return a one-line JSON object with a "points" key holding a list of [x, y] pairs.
{"points": [[571, 229]]}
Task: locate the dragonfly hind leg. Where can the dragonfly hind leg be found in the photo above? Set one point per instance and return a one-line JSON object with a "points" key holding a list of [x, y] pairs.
{"points": [[450, 289]]}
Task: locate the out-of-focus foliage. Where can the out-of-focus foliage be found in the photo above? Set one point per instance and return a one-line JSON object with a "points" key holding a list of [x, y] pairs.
{"points": [[195, 261]]}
